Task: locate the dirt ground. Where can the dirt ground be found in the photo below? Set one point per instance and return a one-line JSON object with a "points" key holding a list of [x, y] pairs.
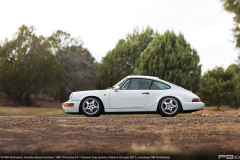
{"points": [[217, 113], [119, 136]]}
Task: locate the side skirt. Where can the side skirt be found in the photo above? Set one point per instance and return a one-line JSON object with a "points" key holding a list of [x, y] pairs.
{"points": [[133, 112]]}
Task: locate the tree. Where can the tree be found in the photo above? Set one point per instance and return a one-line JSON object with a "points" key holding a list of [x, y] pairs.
{"points": [[120, 61], [106, 71], [78, 63], [217, 87], [235, 94], [233, 6], [171, 58], [27, 66]]}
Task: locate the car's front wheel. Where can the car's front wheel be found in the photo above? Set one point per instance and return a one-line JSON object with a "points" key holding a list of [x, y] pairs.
{"points": [[169, 107], [91, 107]]}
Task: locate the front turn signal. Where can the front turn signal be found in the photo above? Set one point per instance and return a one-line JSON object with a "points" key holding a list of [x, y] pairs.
{"points": [[68, 104]]}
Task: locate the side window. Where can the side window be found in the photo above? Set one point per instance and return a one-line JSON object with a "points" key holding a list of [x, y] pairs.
{"points": [[158, 85], [140, 84], [125, 86]]}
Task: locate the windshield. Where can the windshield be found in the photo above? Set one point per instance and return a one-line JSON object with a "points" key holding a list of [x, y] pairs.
{"points": [[120, 82]]}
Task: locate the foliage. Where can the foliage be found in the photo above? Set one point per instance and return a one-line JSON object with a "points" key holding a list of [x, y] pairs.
{"points": [[27, 66], [233, 6], [106, 72], [171, 58], [78, 63], [235, 94], [120, 61], [217, 87]]}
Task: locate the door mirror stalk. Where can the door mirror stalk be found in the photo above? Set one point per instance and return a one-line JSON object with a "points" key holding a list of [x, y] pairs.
{"points": [[116, 88]]}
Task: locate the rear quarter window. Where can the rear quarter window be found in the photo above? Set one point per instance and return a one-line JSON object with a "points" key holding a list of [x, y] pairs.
{"points": [[159, 86]]}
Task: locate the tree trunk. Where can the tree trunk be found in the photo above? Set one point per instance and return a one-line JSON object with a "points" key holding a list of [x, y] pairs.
{"points": [[218, 107], [16, 100]]}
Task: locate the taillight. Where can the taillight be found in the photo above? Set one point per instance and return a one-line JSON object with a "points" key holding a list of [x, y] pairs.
{"points": [[196, 100]]}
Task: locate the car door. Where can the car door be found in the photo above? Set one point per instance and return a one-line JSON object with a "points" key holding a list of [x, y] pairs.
{"points": [[133, 93], [158, 90]]}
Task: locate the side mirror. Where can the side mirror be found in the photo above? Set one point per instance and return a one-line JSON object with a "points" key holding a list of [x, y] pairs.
{"points": [[116, 88]]}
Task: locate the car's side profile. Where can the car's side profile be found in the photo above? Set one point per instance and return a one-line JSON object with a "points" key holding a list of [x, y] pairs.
{"points": [[135, 94]]}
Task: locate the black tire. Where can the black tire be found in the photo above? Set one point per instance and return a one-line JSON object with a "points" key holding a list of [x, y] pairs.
{"points": [[91, 107], [169, 107]]}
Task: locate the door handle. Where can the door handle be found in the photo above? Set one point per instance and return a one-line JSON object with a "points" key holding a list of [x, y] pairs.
{"points": [[145, 93]]}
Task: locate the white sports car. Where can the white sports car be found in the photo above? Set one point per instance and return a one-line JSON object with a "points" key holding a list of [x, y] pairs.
{"points": [[134, 94]]}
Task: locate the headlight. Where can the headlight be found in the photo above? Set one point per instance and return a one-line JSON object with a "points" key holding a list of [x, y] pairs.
{"points": [[70, 96]]}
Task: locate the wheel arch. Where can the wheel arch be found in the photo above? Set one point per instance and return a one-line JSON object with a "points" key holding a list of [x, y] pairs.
{"points": [[170, 97], [79, 110]]}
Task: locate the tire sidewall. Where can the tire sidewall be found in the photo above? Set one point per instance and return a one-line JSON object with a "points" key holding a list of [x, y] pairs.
{"points": [[168, 115], [97, 114]]}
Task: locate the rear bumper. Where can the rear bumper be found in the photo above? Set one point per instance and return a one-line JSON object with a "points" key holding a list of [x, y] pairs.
{"points": [[73, 109], [194, 106]]}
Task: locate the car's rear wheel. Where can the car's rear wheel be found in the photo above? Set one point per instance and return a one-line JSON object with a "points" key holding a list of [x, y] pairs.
{"points": [[169, 107], [91, 107]]}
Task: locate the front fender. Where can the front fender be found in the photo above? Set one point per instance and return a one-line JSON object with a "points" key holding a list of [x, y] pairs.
{"points": [[102, 95]]}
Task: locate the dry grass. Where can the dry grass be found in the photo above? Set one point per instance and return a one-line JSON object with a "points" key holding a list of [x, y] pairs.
{"points": [[222, 112], [214, 108], [40, 108], [58, 112], [32, 111], [160, 148]]}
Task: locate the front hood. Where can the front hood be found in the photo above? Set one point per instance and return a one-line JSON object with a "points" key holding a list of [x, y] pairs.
{"points": [[79, 95], [91, 91]]}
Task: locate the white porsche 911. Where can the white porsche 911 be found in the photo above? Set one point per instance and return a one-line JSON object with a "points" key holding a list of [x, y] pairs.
{"points": [[134, 94]]}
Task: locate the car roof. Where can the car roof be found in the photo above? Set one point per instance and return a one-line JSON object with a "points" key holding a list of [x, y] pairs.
{"points": [[141, 76]]}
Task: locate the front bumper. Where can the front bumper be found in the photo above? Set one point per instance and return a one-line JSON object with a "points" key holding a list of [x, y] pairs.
{"points": [[71, 106], [192, 106]]}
